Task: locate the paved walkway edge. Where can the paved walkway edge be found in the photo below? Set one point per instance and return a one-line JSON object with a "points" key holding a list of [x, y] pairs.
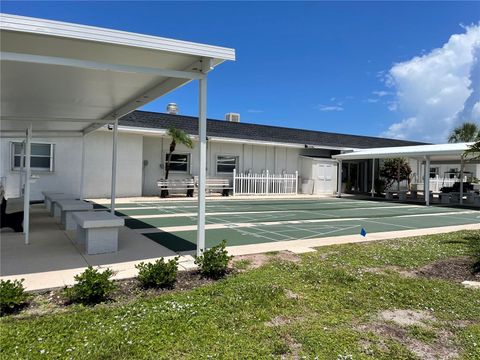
{"points": [[36, 281]]}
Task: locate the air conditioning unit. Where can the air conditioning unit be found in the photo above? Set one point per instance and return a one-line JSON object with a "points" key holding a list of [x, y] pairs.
{"points": [[232, 117]]}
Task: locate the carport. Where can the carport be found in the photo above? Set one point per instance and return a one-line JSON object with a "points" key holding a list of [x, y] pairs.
{"points": [[427, 154], [62, 79]]}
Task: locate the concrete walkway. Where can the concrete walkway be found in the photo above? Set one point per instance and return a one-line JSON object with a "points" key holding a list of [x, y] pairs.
{"points": [[52, 259]]}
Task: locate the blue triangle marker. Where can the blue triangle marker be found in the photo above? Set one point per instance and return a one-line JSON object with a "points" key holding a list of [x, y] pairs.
{"points": [[363, 232]]}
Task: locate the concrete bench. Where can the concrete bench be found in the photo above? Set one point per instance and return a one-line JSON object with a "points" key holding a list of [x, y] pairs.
{"points": [[444, 198], [469, 197], [67, 207], [402, 194], [476, 200], [46, 198], [50, 200], [97, 231]]}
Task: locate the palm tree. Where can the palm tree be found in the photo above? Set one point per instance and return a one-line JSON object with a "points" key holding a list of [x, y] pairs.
{"points": [[178, 137], [466, 132], [473, 151]]}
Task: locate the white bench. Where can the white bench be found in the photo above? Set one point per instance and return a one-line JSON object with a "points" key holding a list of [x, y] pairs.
{"points": [[221, 185], [97, 231], [187, 185], [67, 207]]}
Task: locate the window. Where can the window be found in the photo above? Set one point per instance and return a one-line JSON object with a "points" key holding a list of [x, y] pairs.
{"points": [[226, 163], [41, 156], [433, 172], [179, 162]]}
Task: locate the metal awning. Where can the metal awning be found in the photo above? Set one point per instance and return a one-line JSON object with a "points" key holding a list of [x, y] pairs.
{"points": [[428, 153], [69, 77], [63, 79], [437, 152]]}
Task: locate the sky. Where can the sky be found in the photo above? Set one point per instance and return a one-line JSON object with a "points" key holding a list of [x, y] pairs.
{"points": [[407, 70]]}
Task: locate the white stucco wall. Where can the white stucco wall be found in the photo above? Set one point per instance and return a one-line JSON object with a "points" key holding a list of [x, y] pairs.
{"points": [[98, 164], [65, 177]]}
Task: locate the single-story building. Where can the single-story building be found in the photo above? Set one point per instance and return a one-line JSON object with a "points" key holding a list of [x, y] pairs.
{"points": [[143, 147]]}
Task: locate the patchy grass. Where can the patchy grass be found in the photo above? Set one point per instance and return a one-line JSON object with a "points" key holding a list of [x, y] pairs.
{"points": [[328, 305]]}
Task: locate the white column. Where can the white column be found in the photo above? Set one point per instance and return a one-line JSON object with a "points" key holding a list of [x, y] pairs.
{"points": [[373, 179], [82, 169], [21, 174], [114, 167], [26, 195], [462, 164], [202, 134], [339, 179], [426, 179]]}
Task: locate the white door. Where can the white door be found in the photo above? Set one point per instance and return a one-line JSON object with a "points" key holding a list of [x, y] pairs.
{"points": [[323, 177]]}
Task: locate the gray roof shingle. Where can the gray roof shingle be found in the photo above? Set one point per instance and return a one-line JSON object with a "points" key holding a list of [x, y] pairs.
{"points": [[223, 128]]}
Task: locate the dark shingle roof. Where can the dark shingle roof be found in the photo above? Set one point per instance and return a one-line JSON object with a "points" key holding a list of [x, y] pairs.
{"points": [[222, 128]]}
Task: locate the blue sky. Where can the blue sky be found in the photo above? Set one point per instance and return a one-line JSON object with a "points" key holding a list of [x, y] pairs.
{"points": [[316, 65]]}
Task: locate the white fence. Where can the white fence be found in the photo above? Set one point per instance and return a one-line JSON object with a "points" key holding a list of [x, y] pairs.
{"points": [[264, 184], [437, 183]]}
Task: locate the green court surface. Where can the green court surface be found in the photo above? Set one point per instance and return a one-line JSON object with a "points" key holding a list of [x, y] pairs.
{"points": [[240, 222]]}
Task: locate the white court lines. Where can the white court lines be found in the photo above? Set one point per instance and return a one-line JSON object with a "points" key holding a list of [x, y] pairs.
{"points": [[224, 224]]}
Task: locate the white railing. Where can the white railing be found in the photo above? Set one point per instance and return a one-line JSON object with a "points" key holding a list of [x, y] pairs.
{"points": [[437, 183], [264, 184]]}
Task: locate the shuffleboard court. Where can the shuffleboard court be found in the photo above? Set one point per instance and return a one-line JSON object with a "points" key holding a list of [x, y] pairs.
{"points": [[240, 222]]}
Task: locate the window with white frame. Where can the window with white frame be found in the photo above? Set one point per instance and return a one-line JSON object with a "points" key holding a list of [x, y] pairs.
{"points": [[179, 163], [41, 156], [226, 163], [434, 172]]}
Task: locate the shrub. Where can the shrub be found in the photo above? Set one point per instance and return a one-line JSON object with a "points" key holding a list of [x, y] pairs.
{"points": [[12, 296], [92, 287], [159, 274], [213, 263]]}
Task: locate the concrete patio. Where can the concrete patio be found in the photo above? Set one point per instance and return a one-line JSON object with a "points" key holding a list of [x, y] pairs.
{"points": [[52, 258]]}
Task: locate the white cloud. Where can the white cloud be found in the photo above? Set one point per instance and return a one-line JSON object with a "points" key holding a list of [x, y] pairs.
{"points": [[381, 93], [372, 101], [328, 107], [254, 111], [432, 90]]}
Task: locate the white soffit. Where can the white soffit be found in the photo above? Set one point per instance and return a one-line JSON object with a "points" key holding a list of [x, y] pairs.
{"points": [[57, 70], [436, 152]]}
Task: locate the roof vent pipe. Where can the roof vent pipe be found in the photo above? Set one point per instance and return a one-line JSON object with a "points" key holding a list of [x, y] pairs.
{"points": [[232, 117], [172, 108]]}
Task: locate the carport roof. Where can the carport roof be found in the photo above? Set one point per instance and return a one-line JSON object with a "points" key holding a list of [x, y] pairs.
{"points": [[69, 77], [437, 152]]}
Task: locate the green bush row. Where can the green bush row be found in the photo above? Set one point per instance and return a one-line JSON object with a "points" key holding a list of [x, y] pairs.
{"points": [[93, 286]]}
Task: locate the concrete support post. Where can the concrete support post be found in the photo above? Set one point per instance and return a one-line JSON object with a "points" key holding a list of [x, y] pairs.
{"points": [[114, 167], [373, 179], [462, 165], [339, 179], [82, 170], [202, 134], [426, 179], [26, 195]]}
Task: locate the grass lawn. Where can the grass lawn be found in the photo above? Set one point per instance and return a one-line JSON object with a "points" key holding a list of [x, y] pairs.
{"points": [[361, 301]]}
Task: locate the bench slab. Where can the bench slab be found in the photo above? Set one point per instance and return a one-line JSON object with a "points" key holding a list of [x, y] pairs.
{"points": [[97, 231], [67, 207]]}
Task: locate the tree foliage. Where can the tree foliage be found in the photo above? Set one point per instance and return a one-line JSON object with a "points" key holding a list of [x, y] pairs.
{"points": [[473, 152], [466, 132], [178, 137], [396, 169]]}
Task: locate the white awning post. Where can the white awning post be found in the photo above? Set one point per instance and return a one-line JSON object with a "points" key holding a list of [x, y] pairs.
{"points": [[114, 167], [202, 139], [462, 164], [21, 174], [373, 178], [26, 195], [339, 179], [426, 179], [82, 168]]}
